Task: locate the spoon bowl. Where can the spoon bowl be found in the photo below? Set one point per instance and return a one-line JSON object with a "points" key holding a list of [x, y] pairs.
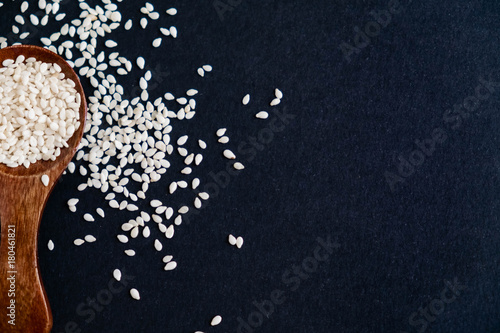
{"points": [[23, 301]]}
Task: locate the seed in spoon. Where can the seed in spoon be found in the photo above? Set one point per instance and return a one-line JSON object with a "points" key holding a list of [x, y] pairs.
{"points": [[45, 180]]}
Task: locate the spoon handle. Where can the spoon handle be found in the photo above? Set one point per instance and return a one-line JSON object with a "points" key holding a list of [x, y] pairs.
{"points": [[24, 306]]}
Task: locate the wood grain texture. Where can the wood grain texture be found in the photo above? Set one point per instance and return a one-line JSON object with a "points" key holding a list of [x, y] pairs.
{"points": [[22, 200]]}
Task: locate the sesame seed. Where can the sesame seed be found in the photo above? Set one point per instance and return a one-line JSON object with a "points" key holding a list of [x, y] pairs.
{"points": [[221, 131], [170, 266], [229, 154], [238, 166], [246, 99], [158, 245], [45, 180], [90, 239], [135, 294], [78, 242], [117, 274], [216, 321], [278, 93], [275, 102]]}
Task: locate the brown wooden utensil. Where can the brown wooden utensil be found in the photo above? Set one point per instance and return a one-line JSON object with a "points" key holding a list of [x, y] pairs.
{"points": [[23, 196]]}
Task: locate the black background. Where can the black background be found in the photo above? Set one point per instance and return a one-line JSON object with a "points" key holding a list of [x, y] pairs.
{"points": [[322, 176]]}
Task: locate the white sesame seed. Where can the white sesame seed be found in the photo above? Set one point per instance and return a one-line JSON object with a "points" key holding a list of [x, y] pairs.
{"points": [[198, 159], [238, 166], [262, 115], [110, 43], [141, 62], [50, 245], [158, 245], [167, 258], [207, 68], [170, 266], [275, 102], [130, 253], [157, 42], [191, 92], [128, 25], [182, 140], [201, 72], [221, 131], [135, 294], [216, 321], [100, 212], [122, 238], [89, 218], [117, 274], [24, 6], [45, 180], [90, 239], [278, 93], [202, 144], [246, 99], [73, 202], [173, 31], [172, 187], [224, 139], [169, 233], [239, 242], [165, 31], [155, 203], [171, 11], [78, 242], [229, 154], [146, 232], [231, 239]]}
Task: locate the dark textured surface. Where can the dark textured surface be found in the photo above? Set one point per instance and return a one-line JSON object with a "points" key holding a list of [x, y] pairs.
{"points": [[324, 175]]}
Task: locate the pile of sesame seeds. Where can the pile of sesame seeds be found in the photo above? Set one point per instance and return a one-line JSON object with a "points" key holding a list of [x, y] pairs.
{"points": [[129, 143]]}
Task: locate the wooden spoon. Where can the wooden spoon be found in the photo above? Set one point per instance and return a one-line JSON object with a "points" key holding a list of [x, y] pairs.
{"points": [[23, 196]]}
